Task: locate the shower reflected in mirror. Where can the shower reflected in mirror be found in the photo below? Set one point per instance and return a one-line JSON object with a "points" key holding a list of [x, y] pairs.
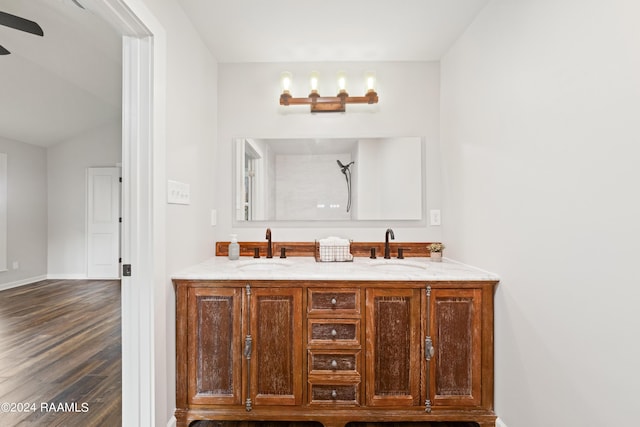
{"points": [[346, 170], [295, 179]]}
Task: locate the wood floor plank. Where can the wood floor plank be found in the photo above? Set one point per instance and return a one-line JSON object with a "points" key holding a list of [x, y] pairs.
{"points": [[60, 349]]}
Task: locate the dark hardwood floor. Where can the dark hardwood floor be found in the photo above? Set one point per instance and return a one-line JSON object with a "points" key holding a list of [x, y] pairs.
{"points": [[60, 354], [316, 424]]}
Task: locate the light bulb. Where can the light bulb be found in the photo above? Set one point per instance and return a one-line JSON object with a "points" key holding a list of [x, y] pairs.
{"points": [[313, 80], [285, 79], [370, 78], [342, 81]]}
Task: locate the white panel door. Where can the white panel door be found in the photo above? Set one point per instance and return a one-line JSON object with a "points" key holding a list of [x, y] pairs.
{"points": [[103, 223], [3, 212]]}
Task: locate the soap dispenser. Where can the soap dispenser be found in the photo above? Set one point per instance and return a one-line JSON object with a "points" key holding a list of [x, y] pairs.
{"points": [[234, 248]]}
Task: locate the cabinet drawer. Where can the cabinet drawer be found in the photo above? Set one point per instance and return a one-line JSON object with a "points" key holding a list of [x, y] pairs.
{"points": [[335, 333], [335, 362], [334, 394], [338, 301]]}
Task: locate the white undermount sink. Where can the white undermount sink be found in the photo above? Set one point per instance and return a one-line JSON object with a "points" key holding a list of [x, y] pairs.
{"points": [[397, 265], [263, 264]]}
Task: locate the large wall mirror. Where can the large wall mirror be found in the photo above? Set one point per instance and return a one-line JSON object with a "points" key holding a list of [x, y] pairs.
{"points": [[329, 179]]}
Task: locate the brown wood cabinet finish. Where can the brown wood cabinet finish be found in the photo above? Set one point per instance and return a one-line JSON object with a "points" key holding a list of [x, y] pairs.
{"points": [[335, 352], [214, 355], [275, 316], [393, 347], [456, 326]]}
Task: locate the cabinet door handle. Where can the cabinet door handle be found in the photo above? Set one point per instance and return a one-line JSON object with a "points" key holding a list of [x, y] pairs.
{"points": [[334, 333], [334, 301], [334, 394], [334, 364], [429, 349], [248, 346]]}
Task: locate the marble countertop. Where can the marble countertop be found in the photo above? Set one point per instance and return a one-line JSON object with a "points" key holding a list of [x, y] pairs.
{"points": [[307, 268]]}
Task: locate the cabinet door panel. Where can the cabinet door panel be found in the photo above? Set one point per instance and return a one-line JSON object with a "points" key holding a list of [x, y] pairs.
{"points": [[393, 347], [214, 346], [456, 328], [276, 363]]}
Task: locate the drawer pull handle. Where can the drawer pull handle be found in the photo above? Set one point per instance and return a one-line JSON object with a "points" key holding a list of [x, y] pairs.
{"points": [[334, 364], [334, 394], [334, 333], [334, 301]]}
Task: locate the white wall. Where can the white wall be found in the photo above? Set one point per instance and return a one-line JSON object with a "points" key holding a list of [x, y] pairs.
{"points": [[26, 213], [191, 126], [248, 100], [67, 164], [541, 143]]}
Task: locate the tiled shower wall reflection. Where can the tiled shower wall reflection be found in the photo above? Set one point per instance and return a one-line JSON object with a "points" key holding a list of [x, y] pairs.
{"points": [[311, 187]]}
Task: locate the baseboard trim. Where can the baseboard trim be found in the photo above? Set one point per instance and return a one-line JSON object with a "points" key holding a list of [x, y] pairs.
{"points": [[67, 277], [500, 423], [78, 277], [22, 282], [172, 422], [30, 280]]}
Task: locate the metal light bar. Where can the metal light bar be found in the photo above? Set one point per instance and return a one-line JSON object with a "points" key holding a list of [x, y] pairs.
{"points": [[327, 104]]}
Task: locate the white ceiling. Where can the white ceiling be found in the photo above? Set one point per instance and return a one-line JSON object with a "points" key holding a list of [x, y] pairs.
{"points": [[63, 84], [69, 81], [330, 30]]}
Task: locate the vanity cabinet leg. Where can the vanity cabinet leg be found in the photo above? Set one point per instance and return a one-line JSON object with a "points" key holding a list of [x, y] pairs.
{"points": [[181, 419]]}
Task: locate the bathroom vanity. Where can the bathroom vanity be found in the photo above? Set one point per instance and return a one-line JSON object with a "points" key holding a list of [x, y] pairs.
{"points": [[370, 340]]}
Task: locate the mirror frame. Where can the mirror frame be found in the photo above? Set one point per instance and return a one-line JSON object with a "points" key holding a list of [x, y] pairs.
{"points": [[359, 223]]}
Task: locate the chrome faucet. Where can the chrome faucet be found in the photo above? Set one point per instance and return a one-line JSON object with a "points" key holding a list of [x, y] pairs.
{"points": [[269, 246], [387, 234]]}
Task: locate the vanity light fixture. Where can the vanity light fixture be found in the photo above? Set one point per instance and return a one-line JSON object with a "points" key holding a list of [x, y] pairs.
{"points": [[328, 104]]}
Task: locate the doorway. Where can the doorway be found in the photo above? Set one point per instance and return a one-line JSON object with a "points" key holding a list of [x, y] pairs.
{"points": [[103, 223], [143, 146]]}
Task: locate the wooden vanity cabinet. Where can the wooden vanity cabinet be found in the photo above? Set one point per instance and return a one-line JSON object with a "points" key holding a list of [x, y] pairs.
{"points": [[334, 346], [275, 364], [393, 363], [455, 355], [335, 352], [214, 353], [243, 345]]}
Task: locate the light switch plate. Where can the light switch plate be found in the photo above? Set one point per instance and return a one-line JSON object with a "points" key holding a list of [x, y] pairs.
{"points": [[434, 217], [178, 193]]}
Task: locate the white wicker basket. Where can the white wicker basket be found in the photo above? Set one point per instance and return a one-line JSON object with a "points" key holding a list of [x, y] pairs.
{"points": [[333, 252]]}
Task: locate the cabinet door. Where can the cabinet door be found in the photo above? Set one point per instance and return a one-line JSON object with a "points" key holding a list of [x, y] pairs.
{"points": [[215, 346], [276, 360], [455, 327], [393, 347]]}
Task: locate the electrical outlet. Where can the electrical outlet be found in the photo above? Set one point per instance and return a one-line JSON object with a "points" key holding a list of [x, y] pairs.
{"points": [[214, 217], [434, 217], [16, 265]]}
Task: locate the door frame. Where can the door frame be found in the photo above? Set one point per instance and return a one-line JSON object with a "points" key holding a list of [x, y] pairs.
{"points": [[143, 185]]}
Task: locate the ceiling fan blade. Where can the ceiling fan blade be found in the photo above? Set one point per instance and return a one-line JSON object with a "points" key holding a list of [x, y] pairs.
{"points": [[21, 24], [4, 51]]}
